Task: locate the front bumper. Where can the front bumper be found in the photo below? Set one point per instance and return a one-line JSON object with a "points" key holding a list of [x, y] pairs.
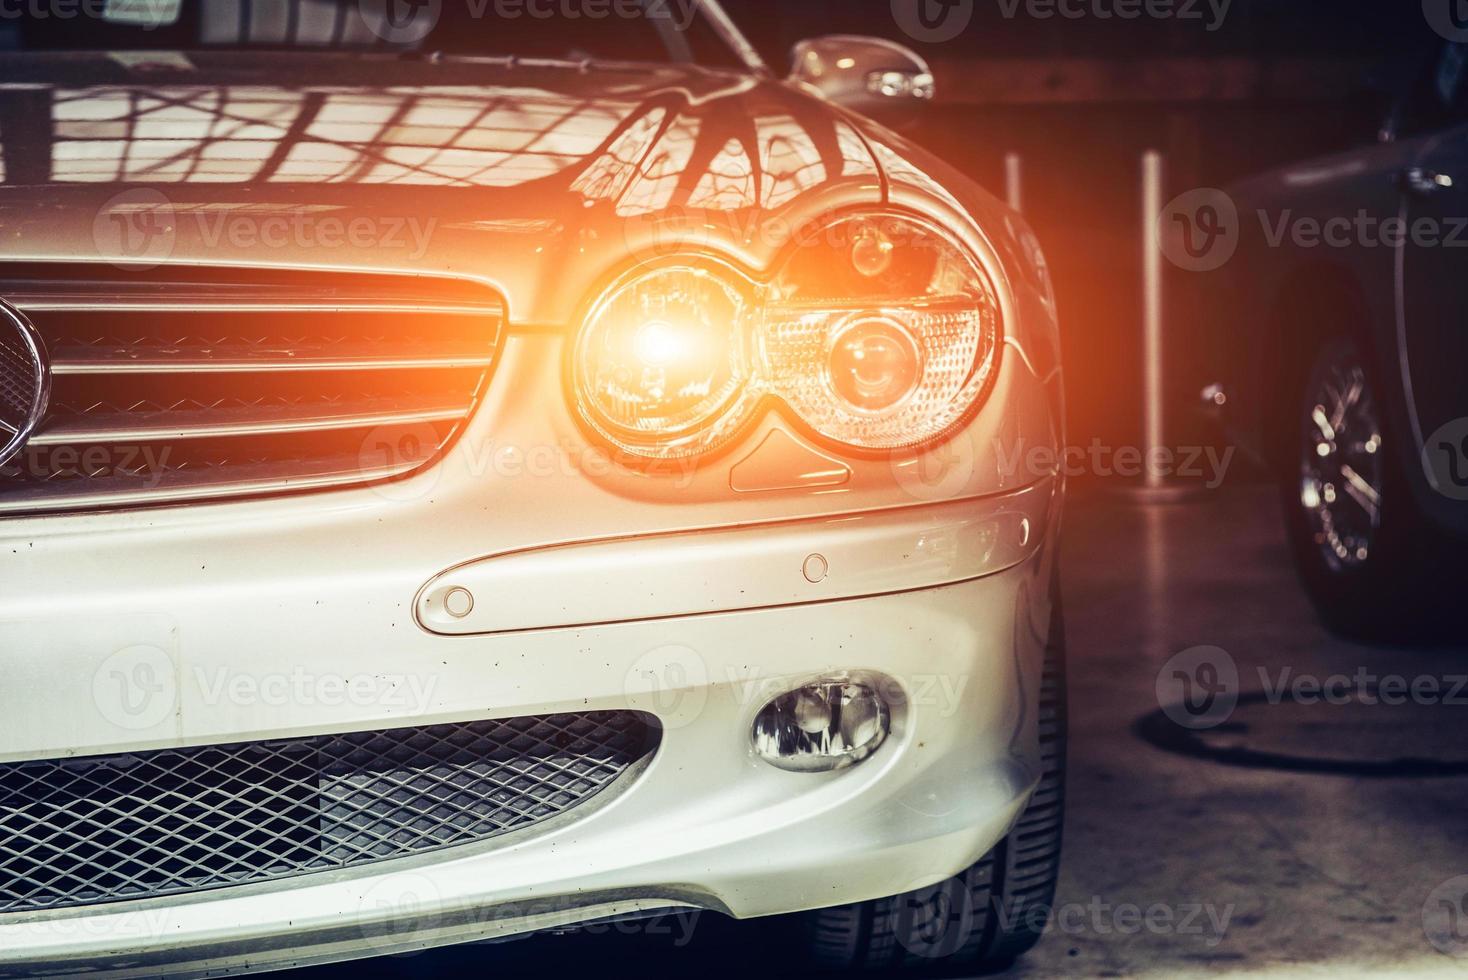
{"points": [[705, 825]]}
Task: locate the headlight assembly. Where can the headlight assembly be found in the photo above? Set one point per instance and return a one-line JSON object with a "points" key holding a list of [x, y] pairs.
{"points": [[879, 332], [661, 367]]}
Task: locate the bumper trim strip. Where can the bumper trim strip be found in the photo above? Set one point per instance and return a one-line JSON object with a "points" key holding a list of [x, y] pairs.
{"points": [[747, 567]]}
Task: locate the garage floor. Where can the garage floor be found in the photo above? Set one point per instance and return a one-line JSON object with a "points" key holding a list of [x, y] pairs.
{"points": [[1271, 844]]}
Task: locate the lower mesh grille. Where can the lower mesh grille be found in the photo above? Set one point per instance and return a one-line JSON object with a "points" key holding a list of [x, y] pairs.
{"points": [[81, 831]]}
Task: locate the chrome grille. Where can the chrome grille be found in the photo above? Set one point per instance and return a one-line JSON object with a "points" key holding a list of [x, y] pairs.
{"points": [[107, 828], [182, 384], [17, 383]]}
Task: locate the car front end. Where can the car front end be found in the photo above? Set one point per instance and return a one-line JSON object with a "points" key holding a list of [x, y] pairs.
{"points": [[481, 497]]}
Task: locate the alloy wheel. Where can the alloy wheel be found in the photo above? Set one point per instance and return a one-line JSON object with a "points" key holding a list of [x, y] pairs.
{"points": [[1341, 459]]}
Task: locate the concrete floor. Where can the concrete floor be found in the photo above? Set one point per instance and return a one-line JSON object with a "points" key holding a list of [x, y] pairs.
{"points": [[1176, 865]]}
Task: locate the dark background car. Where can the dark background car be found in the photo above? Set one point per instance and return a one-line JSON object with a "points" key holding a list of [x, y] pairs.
{"points": [[1348, 369]]}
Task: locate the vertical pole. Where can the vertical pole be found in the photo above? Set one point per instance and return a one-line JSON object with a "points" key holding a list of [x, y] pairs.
{"points": [[1152, 313], [1013, 188]]}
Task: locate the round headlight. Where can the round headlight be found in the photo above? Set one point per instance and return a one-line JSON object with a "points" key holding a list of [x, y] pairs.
{"points": [[660, 366], [881, 333]]}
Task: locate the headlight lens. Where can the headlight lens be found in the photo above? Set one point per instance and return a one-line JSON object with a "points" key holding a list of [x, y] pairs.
{"points": [[661, 366], [879, 332], [874, 363]]}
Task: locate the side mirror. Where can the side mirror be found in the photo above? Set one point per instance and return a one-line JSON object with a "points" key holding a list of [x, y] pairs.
{"points": [[870, 75]]}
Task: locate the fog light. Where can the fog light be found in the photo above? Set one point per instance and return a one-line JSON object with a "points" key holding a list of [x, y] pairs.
{"points": [[822, 726]]}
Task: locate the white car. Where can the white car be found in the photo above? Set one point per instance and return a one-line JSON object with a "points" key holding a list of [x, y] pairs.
{"points": [[462, 479]]}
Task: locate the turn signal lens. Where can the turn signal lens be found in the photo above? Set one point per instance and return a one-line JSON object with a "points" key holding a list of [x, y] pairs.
{"points": [[661, 366], [820, 727]]}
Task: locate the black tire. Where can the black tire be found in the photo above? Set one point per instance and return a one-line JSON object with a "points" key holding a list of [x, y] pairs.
{"points": [[1390, 595], [983, 917]]}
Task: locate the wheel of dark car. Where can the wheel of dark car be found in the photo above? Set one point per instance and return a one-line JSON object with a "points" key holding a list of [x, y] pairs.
{"points": [[1356, 538], [988, 914]]}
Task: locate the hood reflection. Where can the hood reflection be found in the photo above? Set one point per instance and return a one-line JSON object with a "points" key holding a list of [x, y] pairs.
{"points": [[728, 144]]}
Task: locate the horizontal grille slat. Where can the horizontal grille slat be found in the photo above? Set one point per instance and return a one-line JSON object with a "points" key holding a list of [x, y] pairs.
{"points": [[108, 828], [80, 288], [178, 367], [61, 303], [143, 426], [70, 361], [200, 481]]}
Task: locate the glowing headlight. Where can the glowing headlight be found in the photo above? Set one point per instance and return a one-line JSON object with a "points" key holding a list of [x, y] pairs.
{"points": [[879, 332], [661, 367]]}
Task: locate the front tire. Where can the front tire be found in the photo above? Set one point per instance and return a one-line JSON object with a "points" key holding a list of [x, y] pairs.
{"points": [[987, 915]]}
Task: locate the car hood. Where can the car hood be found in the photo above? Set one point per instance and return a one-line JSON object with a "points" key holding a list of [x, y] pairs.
{"points": [[536, 177]]}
